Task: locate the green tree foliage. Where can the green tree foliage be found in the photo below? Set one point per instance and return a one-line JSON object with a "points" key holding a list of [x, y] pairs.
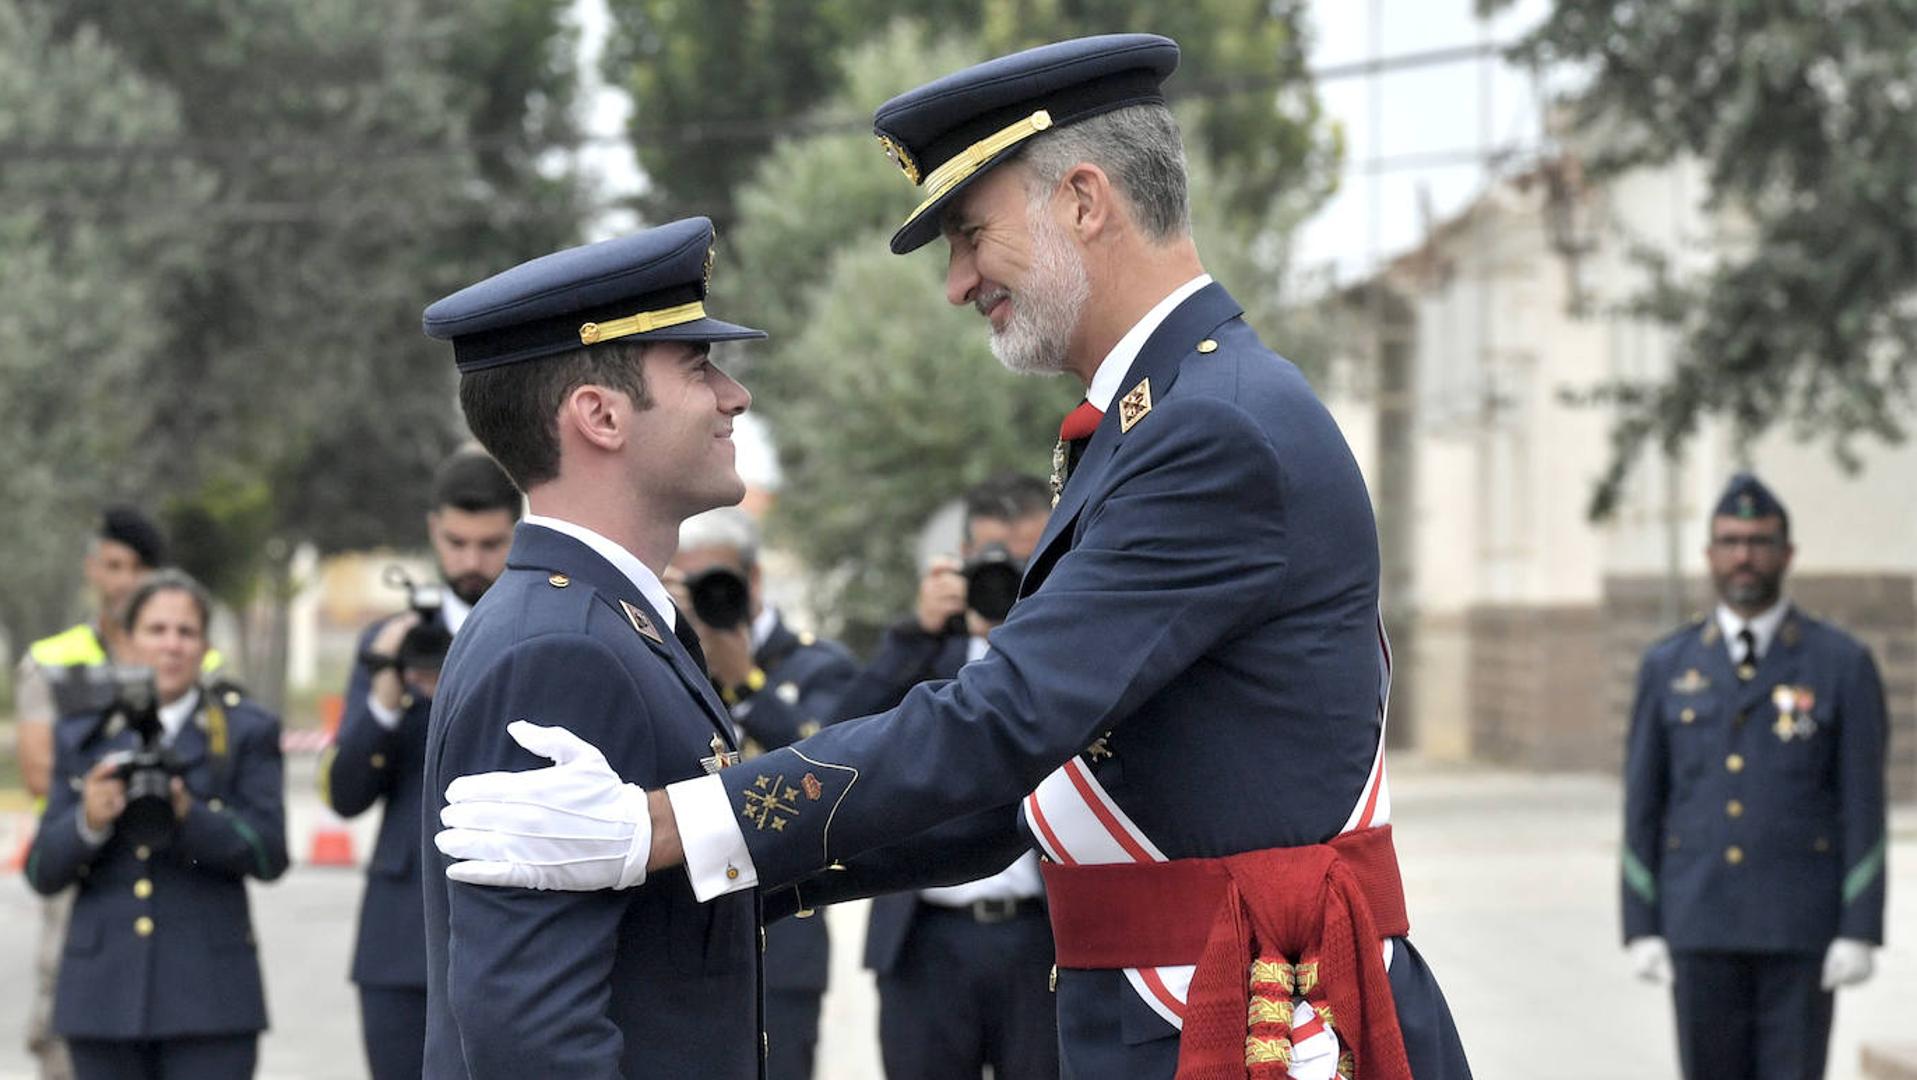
{"points": [[359, 158], [716, 85], [884, 400], [1803, 117], [79, 317]]}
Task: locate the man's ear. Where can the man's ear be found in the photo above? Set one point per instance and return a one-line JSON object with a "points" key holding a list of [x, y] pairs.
{"points": [[1094, 200], [598, 415]]}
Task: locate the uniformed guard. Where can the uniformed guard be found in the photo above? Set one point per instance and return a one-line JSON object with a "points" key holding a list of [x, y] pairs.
{"points": [[1186, 707], [781, 686], [587, 375], [1754, 811], [125, 547], [378, 753], [165, 801]]}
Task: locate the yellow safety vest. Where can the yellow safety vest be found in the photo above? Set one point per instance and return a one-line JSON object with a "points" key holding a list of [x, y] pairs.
{"points": [[80, 646]]}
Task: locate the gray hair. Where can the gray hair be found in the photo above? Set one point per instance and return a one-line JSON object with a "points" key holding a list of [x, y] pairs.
{"points": [[727, 527], [1138, 147]]}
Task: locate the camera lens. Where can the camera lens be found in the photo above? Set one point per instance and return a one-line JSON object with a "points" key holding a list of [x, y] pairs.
{"points": [[720, 597], [991, 582], [148, 819]]}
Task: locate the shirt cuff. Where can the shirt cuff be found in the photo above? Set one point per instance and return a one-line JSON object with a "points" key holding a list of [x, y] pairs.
{"points": [[383, 716], [717, 861], [94, 839]]}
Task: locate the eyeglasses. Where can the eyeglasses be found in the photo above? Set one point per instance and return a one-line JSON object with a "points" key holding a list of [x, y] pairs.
{"points": [[1759, 545]]}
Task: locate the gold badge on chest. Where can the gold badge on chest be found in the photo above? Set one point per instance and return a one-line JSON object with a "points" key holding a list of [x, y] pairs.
{"points": [[642, 623], [1135, 406]]}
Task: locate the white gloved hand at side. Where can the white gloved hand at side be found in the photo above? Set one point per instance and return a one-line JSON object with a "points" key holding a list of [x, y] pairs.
{"points": [[1846, 963], [573, 826], [1650, 959]]}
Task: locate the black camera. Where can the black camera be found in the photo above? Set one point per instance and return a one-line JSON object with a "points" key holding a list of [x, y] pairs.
{"points": [[721, 597], [425, 646], [991, 582], [126, 698]]}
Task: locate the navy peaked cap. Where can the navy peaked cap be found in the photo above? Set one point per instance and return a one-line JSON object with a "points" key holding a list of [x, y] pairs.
{"points": [[649, 286], [948, 132], [1746, 498]]}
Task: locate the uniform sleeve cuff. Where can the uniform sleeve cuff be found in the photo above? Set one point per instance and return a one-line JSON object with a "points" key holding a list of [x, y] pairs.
{"points": [[383, 716], [93, 838], [717, 861]]}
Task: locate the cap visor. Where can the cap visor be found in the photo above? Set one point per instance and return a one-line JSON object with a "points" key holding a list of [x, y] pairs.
{"points": [[701, 330], [924, 226]]}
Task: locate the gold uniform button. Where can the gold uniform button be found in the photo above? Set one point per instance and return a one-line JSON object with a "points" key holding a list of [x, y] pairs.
{"points": [[1208, 346], [1734, 808], [559, 581], [377, 761], [1820, 845], [1735, 763], [232, 699], [1746, 672], [1733, 854], [143, 926], [143, 888], [143, 853], [215, 805], [1688, 716]]}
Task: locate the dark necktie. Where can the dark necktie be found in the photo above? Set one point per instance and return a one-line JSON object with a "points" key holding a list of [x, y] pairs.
{"points": [[682, 629], [1747, 653]]}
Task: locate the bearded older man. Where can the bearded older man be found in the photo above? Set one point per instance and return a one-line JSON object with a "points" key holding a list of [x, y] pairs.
{"points": [[1184, 713]]}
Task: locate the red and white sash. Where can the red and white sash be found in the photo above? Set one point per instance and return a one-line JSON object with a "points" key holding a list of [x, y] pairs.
{"points": [[1077, 822]]}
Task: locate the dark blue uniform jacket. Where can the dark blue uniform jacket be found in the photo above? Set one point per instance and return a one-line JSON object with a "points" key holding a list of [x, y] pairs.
{"points": [[804, 678], [906, 656], [161, 944], [1754, 808], [1205, 598], [365, 764], [630, 983]]}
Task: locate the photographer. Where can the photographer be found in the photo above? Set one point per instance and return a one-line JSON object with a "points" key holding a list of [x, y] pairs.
{"points": [[963, 971], [125, 548], [780, 686], [165, 798], [379, 751]]}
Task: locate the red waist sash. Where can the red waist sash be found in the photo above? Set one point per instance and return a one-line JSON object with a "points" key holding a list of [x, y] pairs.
{"points": [[1263, 928]]}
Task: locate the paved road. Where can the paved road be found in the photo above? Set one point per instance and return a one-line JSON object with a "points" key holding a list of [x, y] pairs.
{"points": [[1512, 885]]}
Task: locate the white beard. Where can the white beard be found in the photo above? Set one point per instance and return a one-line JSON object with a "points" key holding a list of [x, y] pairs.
{"points": [[1047, 307]]}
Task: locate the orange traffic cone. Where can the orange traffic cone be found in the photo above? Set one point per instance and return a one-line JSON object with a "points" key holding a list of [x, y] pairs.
{"points": [[332, 846], [18, 860]]}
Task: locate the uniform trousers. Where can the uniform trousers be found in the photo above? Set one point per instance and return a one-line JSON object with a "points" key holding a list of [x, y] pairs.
{"points": [[55, 911], [392, 1020], [206, 1057], [965, 994], [1751, 1016], [791, 1033]]}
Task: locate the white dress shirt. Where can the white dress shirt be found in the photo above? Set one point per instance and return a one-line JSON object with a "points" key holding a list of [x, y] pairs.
{"points": [[717, 859], [1763, 627]]}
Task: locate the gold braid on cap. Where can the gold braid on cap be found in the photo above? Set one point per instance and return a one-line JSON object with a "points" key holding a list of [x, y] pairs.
{"points": [[967, 161], [643, 323]]}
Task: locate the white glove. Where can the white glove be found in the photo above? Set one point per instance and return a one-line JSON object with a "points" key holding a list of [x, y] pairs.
{"points": [[1846, 963], [573, 826], [1650, 959]]}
